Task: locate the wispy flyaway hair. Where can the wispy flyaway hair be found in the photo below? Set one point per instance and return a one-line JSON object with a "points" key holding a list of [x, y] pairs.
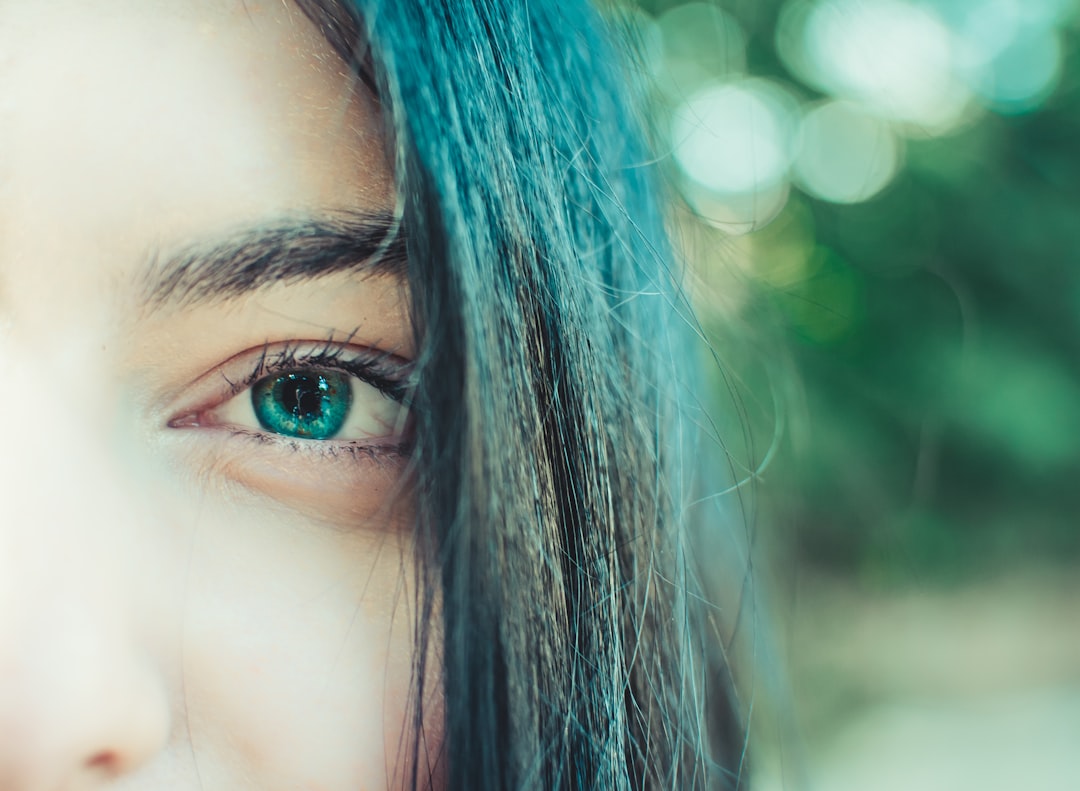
{"points": [[551, 449]]}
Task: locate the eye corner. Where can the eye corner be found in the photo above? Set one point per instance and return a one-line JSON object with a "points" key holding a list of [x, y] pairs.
{"points": [[186, 420], [201, 417]]}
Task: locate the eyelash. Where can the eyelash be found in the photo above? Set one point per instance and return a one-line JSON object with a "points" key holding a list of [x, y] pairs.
{"points": [[328, 450], [387, 373]]}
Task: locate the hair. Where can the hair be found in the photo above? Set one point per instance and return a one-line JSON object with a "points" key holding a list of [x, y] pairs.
{"points": [[551, 442]]}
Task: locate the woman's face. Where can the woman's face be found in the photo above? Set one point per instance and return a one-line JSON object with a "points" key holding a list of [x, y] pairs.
{"points": [[205, 571]]}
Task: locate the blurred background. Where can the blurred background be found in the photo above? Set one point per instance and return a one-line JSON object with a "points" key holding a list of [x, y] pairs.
{"points": [[881, 201]]}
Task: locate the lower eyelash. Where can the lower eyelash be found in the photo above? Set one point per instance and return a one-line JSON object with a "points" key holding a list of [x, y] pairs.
{"points": [[328, 449]]}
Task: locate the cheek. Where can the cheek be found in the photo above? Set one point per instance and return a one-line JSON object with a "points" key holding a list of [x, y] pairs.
{"points": [[298, 653]]}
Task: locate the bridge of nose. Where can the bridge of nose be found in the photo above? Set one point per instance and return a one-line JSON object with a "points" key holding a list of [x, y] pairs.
{"points": [[83, 693]]}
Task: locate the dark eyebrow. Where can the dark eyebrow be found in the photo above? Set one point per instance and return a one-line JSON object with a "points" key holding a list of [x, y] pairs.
{"points": [[283, 251]]}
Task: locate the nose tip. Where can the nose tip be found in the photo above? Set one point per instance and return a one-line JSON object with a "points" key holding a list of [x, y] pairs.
{"points": [[77, 711], [83, 698]]}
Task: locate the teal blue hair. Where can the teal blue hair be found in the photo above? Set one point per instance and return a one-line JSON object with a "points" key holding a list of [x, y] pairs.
{"points": [[550, 451]]}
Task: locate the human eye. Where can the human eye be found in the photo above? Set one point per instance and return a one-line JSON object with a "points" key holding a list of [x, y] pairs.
{"points": [[318, 397]]}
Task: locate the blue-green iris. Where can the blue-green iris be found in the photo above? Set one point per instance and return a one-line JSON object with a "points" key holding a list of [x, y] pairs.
{"points": [[308, 404]]}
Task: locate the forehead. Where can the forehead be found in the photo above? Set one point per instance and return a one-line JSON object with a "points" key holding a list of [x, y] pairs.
{"points": [[198, 78], [134, 123]]}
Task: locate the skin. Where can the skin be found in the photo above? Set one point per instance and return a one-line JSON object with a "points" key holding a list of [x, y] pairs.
{"points": [[185, 600]]}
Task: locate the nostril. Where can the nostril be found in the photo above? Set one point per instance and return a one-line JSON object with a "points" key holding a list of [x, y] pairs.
{"points": [[105, 761]]}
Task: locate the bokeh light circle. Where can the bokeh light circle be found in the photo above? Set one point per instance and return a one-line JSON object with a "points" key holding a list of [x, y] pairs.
{"points": [[1024, 74], [894, 57], [705, 35], [845, 154], [735, 138]]}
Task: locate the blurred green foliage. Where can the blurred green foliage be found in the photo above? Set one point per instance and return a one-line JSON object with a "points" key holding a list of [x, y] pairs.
{"points": [[927, 339]]}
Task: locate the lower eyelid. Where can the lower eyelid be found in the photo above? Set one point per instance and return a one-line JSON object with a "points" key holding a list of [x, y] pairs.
{"points": [[375, 449], [343, 484]]}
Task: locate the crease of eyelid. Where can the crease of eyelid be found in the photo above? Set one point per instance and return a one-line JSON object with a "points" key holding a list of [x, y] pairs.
{"points": [[285, 250]]}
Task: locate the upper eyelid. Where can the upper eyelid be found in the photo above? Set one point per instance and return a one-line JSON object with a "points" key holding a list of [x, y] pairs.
{"points": [[237, 373], [389, 374]]}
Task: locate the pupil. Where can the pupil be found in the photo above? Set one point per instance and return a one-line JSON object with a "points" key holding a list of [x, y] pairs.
{"points": [[303, 396]]}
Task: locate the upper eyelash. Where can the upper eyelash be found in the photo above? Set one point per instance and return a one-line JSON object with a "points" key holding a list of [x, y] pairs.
{"points": [[385, 372]]}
